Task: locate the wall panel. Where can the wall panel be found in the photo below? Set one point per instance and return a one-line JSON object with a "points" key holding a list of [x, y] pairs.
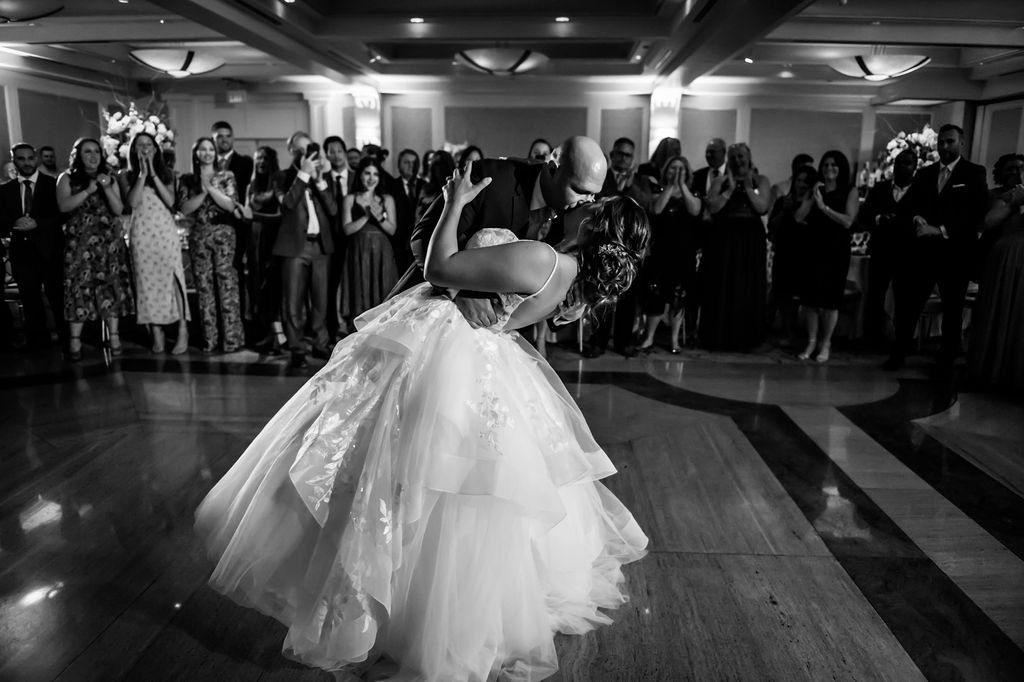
{"points": [[508, 131], [777, 135]]}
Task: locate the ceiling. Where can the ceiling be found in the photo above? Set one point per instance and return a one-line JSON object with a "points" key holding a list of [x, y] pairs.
{"points": [[977, 47]]}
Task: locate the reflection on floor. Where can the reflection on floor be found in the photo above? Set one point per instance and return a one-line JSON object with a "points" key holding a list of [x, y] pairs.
{"points": [[806, 522]]}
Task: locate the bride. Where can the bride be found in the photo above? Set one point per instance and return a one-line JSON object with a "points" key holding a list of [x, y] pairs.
{"points": [[430, 499]]}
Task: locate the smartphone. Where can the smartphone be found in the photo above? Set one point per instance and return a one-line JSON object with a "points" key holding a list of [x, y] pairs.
{"points": [[312, 148]]}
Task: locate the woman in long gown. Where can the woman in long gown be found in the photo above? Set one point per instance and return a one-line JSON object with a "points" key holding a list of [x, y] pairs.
{"points": [[995, 358], [97, 284], [431, 495], [734, 268], [368, 221], [155, 245]]}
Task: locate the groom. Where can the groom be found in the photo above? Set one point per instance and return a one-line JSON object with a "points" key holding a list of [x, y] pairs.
{"points": [[523, 197]]}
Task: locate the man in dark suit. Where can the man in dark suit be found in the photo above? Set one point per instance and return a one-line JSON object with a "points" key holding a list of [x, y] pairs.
{"points": [[945, 206], [340, 180], [522, 197], [30, 218], [889, 247], [305, 244], [241, 166], [616, 324], [405, 189], [715, 157]]}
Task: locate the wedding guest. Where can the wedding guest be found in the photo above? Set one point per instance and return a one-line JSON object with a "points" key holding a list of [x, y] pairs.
{"points": [[368, 223], [428, 160], [470, 153], [48, 161], [671, 268], [1006, 174], [340, 181], [10, 172], [263, 209], [781, 189], [441, 169], [240, 167], [156, 249], [97, 283], [828, 252], [946, 203], [714, 156], [889, 244], [540, 150], [668, 148], [354, 157], [405, 192], [305, 244], [211, 196], [733, 266], [995, 359], [787, 229], [30, 218]]}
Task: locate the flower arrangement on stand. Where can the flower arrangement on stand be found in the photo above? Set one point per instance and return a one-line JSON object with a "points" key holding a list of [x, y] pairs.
{"points": [[121, 126], [922, 143]]}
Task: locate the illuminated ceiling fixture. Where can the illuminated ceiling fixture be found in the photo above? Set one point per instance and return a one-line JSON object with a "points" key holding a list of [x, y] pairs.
{"points": [[501, 61], [879, 66], [14, 11], [416, 20], [178, 63], [562, 20]]}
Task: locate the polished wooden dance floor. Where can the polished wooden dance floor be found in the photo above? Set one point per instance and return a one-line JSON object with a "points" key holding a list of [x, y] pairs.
{"points": [[806, 522]]}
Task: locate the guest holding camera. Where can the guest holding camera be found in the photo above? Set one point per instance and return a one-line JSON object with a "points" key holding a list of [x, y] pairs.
{"points": [[305, 244]]}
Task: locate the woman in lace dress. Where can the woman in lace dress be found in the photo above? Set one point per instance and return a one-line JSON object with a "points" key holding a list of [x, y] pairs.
{"points": [[431, 497], [97, 285], [156, 248]]}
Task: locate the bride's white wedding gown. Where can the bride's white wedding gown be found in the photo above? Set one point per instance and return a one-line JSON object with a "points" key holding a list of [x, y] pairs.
{"points": [[431, 494]]}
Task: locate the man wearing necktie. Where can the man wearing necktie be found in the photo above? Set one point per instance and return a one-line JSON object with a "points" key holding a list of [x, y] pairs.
{"points": [[405, 189], [241, 166], [30, 218], [305, 243], [944, 209], [339, 179]]}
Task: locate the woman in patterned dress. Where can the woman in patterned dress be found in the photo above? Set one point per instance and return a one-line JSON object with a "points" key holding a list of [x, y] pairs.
{"points": [[97, 284], [211, 196], [156, 248], [370, 271]]}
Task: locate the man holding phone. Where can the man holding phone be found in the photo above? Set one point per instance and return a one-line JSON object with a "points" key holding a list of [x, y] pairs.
{"points": [[305, 244]]}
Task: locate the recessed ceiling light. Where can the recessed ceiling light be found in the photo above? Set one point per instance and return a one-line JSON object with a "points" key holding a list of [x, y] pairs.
{"points": [[288, 2], [748, 60], [876, 23], [162, 21], [123, 2], [787, 74], [636, 58], [416, 20], [562, 20]]}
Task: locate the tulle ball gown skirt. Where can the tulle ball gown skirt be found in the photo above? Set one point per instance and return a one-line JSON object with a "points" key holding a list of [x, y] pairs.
{"points": [[432, 495]]}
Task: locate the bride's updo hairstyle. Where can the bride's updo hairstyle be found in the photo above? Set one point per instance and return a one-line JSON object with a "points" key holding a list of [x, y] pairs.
{"points": [[617, 236]]}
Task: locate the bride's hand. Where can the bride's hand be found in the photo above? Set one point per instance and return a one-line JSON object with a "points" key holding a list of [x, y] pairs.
{"points": [[460, 188]]}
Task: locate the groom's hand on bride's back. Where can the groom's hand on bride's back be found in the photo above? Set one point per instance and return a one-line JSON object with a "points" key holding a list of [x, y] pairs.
{"points": [[479, 312]]}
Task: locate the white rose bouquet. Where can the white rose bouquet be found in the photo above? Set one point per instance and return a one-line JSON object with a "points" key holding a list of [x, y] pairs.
{"points": [[121, 126], [922, 143]]}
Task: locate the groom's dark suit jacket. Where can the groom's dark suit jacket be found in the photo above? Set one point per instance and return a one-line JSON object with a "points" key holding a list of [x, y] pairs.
{"points": [[960, 207], [504, 203]]}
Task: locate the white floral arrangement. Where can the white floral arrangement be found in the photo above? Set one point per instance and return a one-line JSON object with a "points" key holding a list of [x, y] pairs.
{"points": [[121, 127], [923, 144]]}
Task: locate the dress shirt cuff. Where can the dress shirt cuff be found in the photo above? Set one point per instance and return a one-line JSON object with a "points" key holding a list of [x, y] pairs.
{"points": [[304, 176], [942, 229]]}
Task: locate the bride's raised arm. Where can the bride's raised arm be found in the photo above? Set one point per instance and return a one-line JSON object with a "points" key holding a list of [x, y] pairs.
{"points": [[519, 267]]}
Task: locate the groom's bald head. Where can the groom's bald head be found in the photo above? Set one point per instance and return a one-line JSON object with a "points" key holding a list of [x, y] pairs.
{"points": [[580, 174], [585, 163]]}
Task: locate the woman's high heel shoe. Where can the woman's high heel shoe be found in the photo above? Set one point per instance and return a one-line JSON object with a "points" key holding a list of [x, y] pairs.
{"points": [[808, 352], [823, 353]]}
